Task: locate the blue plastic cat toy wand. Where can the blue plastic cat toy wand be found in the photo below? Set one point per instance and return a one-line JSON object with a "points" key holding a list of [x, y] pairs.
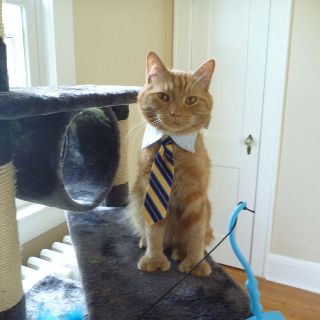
{"points": [[251, 283]]}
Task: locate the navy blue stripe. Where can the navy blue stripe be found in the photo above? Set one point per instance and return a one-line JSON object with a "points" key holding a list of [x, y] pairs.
{"points": [[155, 209], [167, 140], [166, 171], [150, 211], [169, 157], [162, 195], [171, 161], [169, 152], [154, 181], [167, 174]]}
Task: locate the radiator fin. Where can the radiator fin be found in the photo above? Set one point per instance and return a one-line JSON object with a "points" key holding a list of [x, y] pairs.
{"points": [[59, 260]]}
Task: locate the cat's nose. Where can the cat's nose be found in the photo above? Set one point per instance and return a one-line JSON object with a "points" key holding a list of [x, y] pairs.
{"points": [[175, 114]]}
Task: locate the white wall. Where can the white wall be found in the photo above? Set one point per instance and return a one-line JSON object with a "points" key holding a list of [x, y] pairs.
{"points": [[112, 39], [296, 223]]}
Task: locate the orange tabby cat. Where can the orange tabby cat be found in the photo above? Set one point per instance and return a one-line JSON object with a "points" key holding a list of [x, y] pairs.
{"points": [[176, 103]]}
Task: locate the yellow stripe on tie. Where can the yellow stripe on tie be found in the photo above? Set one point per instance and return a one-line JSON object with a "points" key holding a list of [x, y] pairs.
{"points": [[146, 215], [157, 202], [161, 179]]}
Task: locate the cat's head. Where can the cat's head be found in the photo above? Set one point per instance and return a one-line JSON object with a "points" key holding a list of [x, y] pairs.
{"points": [[174, 101]]}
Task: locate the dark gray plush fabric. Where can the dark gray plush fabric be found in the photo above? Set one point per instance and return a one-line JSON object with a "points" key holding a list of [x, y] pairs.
{"points": [[5, 142], [115, 289], [121, 112], [4, 82], [118, 196], [56, 294], [29, 102], [16, 312], [74, 156]]}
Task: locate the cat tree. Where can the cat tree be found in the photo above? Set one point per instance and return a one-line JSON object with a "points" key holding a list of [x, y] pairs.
{"points": [[62, 147]]}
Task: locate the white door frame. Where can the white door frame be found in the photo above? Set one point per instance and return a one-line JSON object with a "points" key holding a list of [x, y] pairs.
{"points": [[277, 56]]}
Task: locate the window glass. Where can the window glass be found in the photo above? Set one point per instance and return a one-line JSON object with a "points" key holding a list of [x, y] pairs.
{"points": [[15, 43]]}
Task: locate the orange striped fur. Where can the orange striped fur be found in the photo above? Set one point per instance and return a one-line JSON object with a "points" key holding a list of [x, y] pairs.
{"points": [[187, 228]]}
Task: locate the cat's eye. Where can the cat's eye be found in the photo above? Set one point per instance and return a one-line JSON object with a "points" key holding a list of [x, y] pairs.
{"points": [[191, 100], [163, 96]]}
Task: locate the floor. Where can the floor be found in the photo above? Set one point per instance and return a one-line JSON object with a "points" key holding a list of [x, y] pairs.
{"points": [[294, 304]]}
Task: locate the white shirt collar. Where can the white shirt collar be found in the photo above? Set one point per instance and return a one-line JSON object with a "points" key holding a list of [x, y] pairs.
{"points": [[152, 135]]}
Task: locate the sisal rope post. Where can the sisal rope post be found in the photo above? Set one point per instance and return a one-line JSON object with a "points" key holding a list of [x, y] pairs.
{"points": [[122, 172], [118, 195], [11, 291]]}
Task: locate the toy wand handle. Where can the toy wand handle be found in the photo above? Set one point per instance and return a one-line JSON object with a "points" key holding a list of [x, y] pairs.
{"points": [[251, 283]]}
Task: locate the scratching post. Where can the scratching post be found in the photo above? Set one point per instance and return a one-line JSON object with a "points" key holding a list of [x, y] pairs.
{"points": [[118, 196], [10, 274]]}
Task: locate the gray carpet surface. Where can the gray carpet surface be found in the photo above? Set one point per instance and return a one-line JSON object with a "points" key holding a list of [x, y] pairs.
{"points": [[115, 289]]}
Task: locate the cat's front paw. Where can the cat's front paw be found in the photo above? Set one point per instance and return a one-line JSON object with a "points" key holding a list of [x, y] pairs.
{"points": [[150, 264], [203, 270]]}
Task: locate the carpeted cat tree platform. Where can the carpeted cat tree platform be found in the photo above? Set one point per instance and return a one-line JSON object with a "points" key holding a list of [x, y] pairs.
{"points": [[66, 147], [114, 288]]}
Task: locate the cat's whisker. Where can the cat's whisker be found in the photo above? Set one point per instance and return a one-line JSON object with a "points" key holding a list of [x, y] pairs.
{"points": [[138, 134], [137, 126], [208, 134]]}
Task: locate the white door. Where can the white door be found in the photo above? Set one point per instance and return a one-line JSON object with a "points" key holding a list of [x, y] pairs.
{"points": [[235, 33]]}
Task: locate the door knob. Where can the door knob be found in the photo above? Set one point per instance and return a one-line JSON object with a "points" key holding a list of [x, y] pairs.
{"points": [[249, 142]]}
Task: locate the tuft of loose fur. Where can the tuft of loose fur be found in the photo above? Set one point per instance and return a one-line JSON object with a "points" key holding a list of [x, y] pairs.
{"points": [[177, 103]]}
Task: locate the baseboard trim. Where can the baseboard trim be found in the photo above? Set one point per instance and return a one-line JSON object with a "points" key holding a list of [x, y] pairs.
{"points": [[297, 273]]}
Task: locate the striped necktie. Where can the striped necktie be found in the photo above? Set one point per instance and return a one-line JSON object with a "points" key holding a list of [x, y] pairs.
{"points": [[156, 202]]}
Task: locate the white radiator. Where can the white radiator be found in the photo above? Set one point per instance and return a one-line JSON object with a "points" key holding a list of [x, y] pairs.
{"points": [[59, 260]]}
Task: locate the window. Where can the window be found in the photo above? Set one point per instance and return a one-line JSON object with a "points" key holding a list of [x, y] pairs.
{"points": [[41, 41], [14, 40], [21, 39]]}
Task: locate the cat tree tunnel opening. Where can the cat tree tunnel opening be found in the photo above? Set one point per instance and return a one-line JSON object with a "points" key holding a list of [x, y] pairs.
{"points": [[87, 163], [66, 160]]}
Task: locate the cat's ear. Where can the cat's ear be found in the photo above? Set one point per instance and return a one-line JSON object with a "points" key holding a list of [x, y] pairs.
{"points": [[203, 74], [155, 67]]}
